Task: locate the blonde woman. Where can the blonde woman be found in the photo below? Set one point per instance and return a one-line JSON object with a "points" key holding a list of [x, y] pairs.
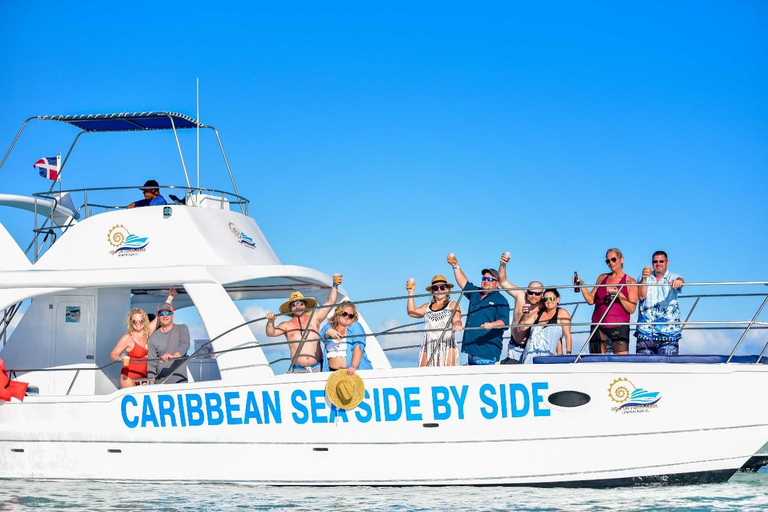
{"points": [[442, 317], [133, 345], [344, 340]]}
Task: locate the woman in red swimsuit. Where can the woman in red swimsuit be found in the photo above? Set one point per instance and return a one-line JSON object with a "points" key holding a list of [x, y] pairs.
{"points": [[135, 343]]}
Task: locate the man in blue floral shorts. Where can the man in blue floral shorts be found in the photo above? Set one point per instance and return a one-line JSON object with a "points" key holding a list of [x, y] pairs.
{"points": [[659, 327]]}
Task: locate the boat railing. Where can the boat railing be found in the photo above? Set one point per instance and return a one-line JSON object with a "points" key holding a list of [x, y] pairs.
{"points": [[50, 230], [746, 326]]}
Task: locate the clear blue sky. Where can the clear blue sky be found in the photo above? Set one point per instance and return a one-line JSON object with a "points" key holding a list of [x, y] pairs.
{"points": [[374, 138]]}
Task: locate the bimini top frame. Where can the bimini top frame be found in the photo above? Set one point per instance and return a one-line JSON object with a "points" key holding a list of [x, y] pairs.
{"points": [[128, 122]]}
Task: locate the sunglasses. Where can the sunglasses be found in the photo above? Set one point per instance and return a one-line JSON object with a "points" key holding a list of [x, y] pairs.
{"points": [[165, 313], [535, 294], [348, 315], [489, 279], [659, 262], [550, 299], [440, 288], [137, 321], [297, 303], [611, 260]]}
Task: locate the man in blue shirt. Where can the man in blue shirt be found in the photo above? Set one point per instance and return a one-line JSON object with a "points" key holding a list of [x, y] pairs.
{"points": [[488, 314], [152, 195], [658, 319]]}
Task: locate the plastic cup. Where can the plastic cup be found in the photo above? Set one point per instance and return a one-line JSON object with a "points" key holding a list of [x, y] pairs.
{"points": [[451, 258], [337, 279], [526, 309], [126, 360], [507, 254], [410, 283]]}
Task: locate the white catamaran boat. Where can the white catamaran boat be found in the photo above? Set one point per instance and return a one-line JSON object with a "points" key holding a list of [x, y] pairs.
{"points": [[565, 421]]}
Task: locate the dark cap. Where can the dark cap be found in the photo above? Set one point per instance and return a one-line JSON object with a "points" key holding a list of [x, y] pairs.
{"points": [[492, 271], [164, 306], [150, 184]]}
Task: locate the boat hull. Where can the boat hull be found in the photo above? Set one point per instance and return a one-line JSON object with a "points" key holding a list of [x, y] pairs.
{"points": [[526, 425]]}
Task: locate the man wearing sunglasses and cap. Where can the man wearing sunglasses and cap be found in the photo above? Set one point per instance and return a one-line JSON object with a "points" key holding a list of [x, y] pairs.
{"points": [[169, 342], [487, 316], [152, 195], [303, 328]]}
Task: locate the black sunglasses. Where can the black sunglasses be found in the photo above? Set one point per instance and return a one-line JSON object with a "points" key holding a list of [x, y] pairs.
{"points": [[347, 315], [440, 288], [609, 260], [535, 294], [659, 262]]}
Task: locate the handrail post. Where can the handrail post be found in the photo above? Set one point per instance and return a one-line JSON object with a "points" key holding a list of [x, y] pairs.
{"points": [[599, 322], [749, 326]]}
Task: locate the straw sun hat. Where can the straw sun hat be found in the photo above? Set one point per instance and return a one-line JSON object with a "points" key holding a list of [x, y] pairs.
{"points": [[286, 306], [343, 391], [439, 279]]}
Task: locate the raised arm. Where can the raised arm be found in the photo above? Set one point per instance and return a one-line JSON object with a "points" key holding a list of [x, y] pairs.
{"points": [[458, 274], [270, 329], [413, 311], [322, 312], [512, 289]]}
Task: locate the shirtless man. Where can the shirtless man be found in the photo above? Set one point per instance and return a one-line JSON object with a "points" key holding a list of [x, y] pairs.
{"points": [[299, 327], [530, 297]]}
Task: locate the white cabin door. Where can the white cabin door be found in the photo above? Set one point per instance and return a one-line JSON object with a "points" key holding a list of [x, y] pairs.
{"points": [[73, 331]]}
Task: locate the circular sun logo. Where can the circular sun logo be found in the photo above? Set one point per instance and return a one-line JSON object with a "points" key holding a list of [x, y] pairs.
{"points": [[117, 235], [235, 230], [620, 390]]}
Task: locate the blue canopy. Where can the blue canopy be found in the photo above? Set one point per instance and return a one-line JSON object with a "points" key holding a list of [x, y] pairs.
{"points": [[127, 122]]}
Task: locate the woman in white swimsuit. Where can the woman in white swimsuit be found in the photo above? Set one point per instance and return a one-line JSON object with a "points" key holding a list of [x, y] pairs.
{"points": [[442, 317]]}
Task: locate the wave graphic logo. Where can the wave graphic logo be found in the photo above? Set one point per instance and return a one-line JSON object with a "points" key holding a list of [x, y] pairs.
{"points": [[244, 239], [631, 398], [126, 243]]}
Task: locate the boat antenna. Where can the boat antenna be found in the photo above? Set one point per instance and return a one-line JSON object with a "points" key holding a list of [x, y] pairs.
{"points": [[198, 133]]}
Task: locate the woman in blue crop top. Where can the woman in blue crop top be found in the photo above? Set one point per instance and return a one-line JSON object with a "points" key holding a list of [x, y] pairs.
{"points": [[344, 340]]}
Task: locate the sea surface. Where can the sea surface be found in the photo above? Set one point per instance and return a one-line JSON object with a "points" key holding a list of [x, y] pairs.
{"points": [[745, 491]]}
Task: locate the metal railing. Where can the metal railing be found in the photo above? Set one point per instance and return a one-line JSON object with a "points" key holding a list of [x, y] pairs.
{"points": [[746, 326]]}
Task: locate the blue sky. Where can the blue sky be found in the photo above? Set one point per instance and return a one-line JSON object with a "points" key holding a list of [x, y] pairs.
{"points": [[373, 139]]}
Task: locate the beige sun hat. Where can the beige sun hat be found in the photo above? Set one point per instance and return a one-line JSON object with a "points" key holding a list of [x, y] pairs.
{"points": [[285, 307], [439, 279], [343, 391]]}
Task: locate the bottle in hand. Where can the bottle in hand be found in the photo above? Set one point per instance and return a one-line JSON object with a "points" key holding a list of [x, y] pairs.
{"points": [[576, 281]]}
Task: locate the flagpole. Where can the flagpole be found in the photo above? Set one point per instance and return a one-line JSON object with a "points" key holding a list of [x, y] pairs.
{"points": [[198, 133]]}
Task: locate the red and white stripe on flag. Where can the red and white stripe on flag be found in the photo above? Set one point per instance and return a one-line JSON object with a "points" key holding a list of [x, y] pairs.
{"points": [[49, 167]]}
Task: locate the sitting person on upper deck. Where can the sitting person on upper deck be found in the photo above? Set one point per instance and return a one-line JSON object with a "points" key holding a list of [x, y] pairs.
{"points": [[612, 309], [487, 316], [658, 329], [544, 329], [152, 195], [525, 303], [344, 340], [303, 329], [443, 317]]}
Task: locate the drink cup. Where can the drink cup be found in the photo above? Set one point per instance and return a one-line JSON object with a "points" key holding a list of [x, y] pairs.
{"points": [[451, 258], [647, 271], [507, 255], [126, 360], [410, 284], [337, 279], [526, 308]]}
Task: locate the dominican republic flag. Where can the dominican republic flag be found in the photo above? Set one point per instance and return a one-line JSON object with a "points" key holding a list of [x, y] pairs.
{"points": [[49, 167]]}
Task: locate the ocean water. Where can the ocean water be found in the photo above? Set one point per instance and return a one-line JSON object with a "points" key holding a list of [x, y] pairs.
{"points": [[745, 491]]}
